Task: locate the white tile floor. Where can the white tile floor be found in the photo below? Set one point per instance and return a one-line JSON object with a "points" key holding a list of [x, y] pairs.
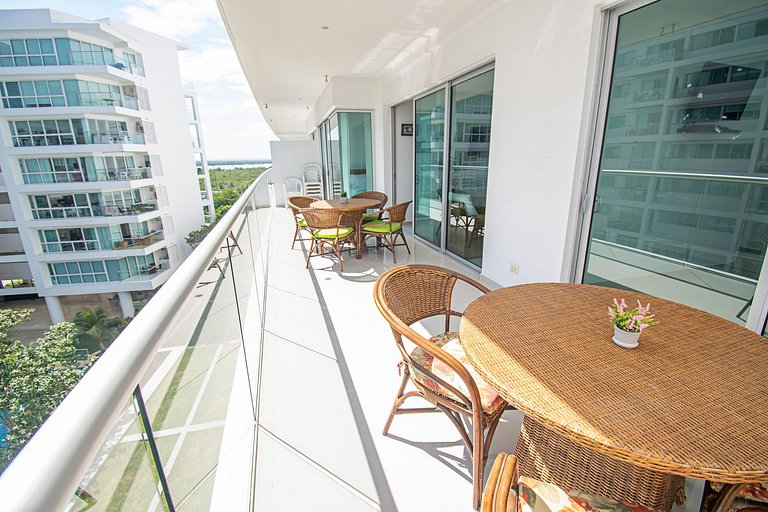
{"points": [[329, 378]]}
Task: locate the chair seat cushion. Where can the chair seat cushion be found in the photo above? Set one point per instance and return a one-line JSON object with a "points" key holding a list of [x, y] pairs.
{"points": [[370, 217], [381, 227], [752, 492], [536, 496], [331, 233], [449, 341], [301, 222]]}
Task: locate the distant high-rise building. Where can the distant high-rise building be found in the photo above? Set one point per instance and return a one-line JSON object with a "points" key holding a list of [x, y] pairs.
{"points": [[100, 179]]}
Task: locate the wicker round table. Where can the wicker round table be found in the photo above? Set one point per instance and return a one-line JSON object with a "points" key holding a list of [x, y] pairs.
{"points": [[690, 400], [355, 207]]}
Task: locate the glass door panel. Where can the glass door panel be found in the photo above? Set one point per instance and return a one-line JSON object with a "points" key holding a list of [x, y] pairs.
{"points": [[681, 206], [471, 105], [429, 127], [356, 152]]}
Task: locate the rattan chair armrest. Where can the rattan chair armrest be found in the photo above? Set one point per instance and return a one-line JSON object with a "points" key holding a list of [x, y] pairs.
{"points": [[454, 364], [500, 494]]}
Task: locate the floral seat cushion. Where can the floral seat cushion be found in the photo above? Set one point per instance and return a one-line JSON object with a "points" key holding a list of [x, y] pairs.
{"points": [[536, 496], [449, 342], [752, 492]]}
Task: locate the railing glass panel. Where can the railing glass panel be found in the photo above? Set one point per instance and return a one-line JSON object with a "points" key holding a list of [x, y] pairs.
{"points": [[194, 353]]}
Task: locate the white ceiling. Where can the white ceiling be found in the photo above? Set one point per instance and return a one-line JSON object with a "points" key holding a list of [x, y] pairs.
{"points": [[286, 53]]}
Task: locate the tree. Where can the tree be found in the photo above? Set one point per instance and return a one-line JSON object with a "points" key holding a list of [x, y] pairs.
{"points": [[34, 379], [96, 329], [224, 200], [195, 237]]}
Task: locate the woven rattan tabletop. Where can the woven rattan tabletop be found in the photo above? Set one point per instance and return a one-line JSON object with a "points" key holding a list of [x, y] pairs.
{"points": [[352, 204], [691, 400]]}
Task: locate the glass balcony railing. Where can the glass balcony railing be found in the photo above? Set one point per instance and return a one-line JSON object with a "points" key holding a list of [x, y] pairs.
{"points": [[110, 210], [115, 138], [168, 410], [23, 140], [78, 176], [140, 240], [105, 99]]}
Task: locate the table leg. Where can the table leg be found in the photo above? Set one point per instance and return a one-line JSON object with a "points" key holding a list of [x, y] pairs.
{"points": [[359, 236]]}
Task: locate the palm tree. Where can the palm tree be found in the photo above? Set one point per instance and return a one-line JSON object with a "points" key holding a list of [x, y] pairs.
{"points": [[96, 328]]}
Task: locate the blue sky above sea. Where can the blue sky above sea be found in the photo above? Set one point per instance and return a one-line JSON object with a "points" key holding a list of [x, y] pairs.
{"points": [[233, 126]]}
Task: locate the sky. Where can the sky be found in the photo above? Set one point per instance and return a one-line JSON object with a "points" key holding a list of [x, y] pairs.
{"points": [[233, 127]]}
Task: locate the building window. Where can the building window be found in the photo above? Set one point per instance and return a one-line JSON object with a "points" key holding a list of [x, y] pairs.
{"points": [[38, 93], [78, 272], [48, 132], [67, 240], [27, 52], [63, 206]]}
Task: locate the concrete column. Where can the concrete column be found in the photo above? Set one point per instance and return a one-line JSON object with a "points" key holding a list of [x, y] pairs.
{"points": [[126, 304], [54, 309]]}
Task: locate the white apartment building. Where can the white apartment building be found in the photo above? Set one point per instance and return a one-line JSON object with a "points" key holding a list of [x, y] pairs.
{"points": [[99, 182]]}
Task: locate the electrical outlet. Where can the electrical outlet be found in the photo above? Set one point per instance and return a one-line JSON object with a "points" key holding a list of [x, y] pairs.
{"points": [[515, 268]]}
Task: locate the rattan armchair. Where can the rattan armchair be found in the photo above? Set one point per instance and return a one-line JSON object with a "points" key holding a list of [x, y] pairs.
{"points": [[296, 203], [507, 491], [372, 194], [388, 228], [408, 294], [329, 229], [746, 498]]}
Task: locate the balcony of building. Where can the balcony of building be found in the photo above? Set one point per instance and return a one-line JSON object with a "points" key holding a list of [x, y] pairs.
{"points": [[260, 378]]}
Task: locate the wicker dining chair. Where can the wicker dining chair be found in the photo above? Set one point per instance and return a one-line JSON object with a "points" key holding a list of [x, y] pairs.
{"points": [[381, 197], [329, 228], [438, 367], [751, 498], [296, 203], [507, 491], [388, 228]]}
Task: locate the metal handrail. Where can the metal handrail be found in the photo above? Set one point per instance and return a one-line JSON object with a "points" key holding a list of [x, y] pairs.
{"points": [[46, 473]]}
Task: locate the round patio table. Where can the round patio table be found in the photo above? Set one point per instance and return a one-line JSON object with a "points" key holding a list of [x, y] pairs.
{"points": [[690, 400], [356, 208]]}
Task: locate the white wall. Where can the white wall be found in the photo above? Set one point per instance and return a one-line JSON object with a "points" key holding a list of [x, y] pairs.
{"points": [[287, 159], [402, 167], [352, 93], [542, 52]]}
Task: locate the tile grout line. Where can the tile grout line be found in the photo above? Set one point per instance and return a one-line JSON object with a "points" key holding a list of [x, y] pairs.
{"points": [[326, 472]]}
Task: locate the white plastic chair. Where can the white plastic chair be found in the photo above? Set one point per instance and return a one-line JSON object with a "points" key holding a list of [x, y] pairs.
{"points": [[292, 187], [312, 175]]}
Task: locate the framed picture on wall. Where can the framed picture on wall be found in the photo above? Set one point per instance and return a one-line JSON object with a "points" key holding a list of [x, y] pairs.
{"points": [[406, 130]]}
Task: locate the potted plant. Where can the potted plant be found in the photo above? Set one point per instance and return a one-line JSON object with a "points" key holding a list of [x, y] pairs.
{"points": [[343, 197], [629, 323]]}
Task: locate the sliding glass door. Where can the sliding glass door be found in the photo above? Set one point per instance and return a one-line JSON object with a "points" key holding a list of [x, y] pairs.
{"points": [[471, 105], [429, 168], [451, 182], [681, 200], [347, 150]]}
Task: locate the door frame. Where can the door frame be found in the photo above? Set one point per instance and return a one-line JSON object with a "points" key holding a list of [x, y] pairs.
{"points": [[447, 86]]}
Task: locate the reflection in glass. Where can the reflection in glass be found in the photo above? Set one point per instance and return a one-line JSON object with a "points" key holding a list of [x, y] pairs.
{"points": [[429, 127], [680, 210], [122, 476], [471, 106]]}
